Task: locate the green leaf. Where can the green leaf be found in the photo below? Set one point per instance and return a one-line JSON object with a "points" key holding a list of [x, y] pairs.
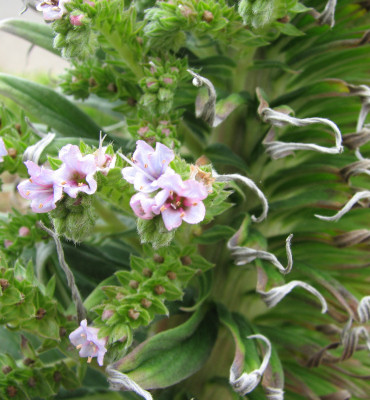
{"points": [[49, 107], [288, 29], [38, 34], [220, 154], [215, 234], [173, 355]]}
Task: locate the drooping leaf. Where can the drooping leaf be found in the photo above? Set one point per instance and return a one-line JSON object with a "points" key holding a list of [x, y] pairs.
{"points": [[37, 34], [49, 107]]}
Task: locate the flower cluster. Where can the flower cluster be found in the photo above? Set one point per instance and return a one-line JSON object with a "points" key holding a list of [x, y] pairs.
{"points": [[161, 190], [86, 340], [76, 175]]}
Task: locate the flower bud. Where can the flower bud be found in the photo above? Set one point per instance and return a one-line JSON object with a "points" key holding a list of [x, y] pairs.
{"points": [[146, 303], [7, 243], [147, 272], [158, 259], [6, 369], [159, 289], [207, 16], [186, 260], [171, 275], [4, 283], [76, 20], [133, 314], [12, 391], [12, 152], [107, 314], [23, 231]]}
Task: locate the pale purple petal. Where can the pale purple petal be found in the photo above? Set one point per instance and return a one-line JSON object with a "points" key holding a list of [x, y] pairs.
{"points": [[100, 357], [129, 174], [86, 339], [171, 218], [148, 166], [77, 171], [160, 199], [77, 337], [194, 190], [3, 151], [142, 205], [159, 160], [195, 213], [43, 188], [171, 182]]}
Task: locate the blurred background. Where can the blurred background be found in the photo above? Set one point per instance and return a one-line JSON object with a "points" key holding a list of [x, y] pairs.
{"points": [[15, 54]]}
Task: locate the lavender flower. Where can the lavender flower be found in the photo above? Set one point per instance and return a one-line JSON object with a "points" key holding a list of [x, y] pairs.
{"points": [[52, 9], [77, 171], [180, 200], [148, 166], [86, 340], [104, 162], [3, 151], [43, 188]]}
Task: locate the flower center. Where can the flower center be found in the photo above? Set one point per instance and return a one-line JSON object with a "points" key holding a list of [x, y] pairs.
{"points": [[78, 179]]}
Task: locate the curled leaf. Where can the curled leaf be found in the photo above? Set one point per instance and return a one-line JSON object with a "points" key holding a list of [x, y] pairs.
{"points": [[119, 381], [205, 105], [248, 182], [363, 309], [245, 255], [247, 382], [356, 168], [33, 153], [275, 295], [278, 149], [327, 16], [357, 197], [352, 238]]}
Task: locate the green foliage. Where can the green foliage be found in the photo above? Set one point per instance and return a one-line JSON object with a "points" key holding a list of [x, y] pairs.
{"points": [[129, 66]]}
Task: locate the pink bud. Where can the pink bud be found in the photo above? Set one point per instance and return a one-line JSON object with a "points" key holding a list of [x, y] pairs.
{"points": [[23, 231], [76, 20], [7, 243], [90, 3], [107, 314]]}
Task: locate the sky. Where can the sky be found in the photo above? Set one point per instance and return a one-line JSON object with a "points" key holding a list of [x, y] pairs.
{"points": [[13, 50]]}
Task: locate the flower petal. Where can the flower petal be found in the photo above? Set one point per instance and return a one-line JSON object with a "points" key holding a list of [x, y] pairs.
{"points": [[195, 213], [171, 218]]}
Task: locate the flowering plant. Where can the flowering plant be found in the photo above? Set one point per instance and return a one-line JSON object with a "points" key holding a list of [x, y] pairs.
{"points": [[153, 207]]}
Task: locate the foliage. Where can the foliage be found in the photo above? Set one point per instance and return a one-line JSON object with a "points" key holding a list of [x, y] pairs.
{"points": [[148, 233]]}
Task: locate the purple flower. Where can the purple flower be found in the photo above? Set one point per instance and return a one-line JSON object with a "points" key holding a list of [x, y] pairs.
{"points": [[148, 166], [3, 151], [104, 162], [180, 201], [86, 340], [77, 171], [52, 9], [177, 201], [43, 188]]}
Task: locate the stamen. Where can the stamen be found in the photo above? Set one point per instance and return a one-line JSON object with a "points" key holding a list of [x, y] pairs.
{"points": [[78, 347], [41, 205], [182, 215], [163, 208], [89, 360], [63, 183], [195, 204], [145, 165], [30, 180], [28, 193], [136, 166], [80, 184]]}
